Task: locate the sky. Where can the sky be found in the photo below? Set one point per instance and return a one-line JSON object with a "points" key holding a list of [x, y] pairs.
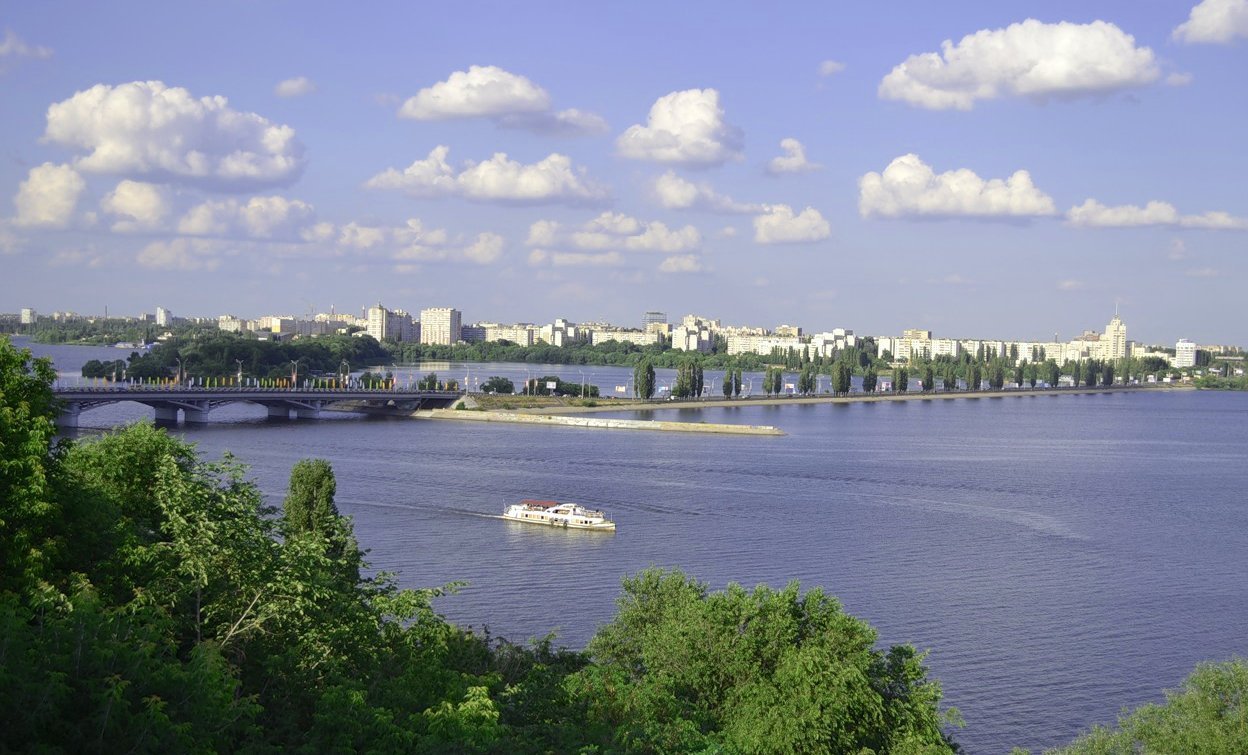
{"points": [[978, 169]]}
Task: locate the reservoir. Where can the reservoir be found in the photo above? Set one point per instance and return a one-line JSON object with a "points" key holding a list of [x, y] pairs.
{"points": [[1060, 556]]}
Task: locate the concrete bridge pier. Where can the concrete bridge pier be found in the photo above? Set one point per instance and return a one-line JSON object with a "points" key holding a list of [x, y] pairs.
{"points": [[308, 412], [195, 416], [68, 418], [279, 411], [166, 415]]}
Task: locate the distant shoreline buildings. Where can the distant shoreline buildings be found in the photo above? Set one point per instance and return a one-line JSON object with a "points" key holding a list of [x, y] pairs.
{"points": [[693, 333]]}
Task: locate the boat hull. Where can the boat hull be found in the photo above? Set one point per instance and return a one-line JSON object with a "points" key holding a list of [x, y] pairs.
{"points": [[574, 520]]}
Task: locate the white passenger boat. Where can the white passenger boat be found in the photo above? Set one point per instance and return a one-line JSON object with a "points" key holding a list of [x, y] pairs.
{"points": [[552, 513]]}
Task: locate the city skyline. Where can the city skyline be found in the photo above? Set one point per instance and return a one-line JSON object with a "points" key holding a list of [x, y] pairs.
{"points": [[865, 173]]}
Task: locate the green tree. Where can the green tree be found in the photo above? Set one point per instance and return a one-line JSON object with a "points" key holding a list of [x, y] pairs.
{"points": [[842, 378], [1107, 373], [680, 669], [1207, 714], [929, 379], [309, 506], [727, 387], [736, 382], [869, 380], [429, 382], [643, 379], [901, 380], [500, 385], [1053, 373]]}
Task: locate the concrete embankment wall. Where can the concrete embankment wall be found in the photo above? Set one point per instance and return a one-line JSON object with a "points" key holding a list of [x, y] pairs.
{"points": [[599, 422]]}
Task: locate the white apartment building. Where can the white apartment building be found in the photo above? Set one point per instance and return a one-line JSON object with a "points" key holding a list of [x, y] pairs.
{"points": [[739, 344], [29, 316], [164, 318], [440, 325], [622, 335], [692, 338], [389, 325], [1184, 354]]}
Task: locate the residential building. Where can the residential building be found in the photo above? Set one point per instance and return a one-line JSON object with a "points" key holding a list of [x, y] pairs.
{"points": [[652, 318], [440, 325], [390, 325], [621, 335], [1115, 346], [1184, 354], [164, 318], [29, 316]]}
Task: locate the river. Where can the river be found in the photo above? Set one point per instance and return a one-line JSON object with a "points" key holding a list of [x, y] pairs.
{"points": [[1060, 556]]}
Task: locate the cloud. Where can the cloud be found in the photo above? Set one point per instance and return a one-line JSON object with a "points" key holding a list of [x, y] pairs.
{"points": [[1178, 79], [138, 206], [780, 226], [499, 179], [570, 122], [1093, 214], [908, 187], [296, 87], [1214, 22], [1069, 285], [792, 161], [48, 196], [616, 231], [272, 217], [685, 128], [1178, 250], [1201, 272], [830, 68], [9, 241], [676, 193], [145, 128], [682, 263], [181, 254], [509, 99], [541, 257], [481, 91], [13, 47], [1028, 59], [485, 249]]}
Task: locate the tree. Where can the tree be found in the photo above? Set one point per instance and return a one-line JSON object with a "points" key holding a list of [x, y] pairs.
{"points": [[996, 377], [902, 380], [929, 379], [1207, 714], [727, 387], [975, 377], [428, 383], [869, 379], [309, 506], [1054, 373], [499, 385], [643, 379], [842, 378], [1107, 373], [736, 382], [681, 669]]}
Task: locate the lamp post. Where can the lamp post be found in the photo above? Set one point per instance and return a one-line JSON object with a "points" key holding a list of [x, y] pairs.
{"points": [[346, 371], [179, 361], [749, 386], [582, 382], [294, 373], [239, 362]]}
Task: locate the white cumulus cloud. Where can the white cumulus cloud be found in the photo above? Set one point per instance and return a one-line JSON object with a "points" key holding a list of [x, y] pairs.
{"points": [[138, 206], [615, 232], [1093, 214], [1027, 59], [792, 161], [681, 263], [509, 99], [145, 128], [181, 254], [540, 257], [296, 87], [272, 217], [48, 196], [779, 225], [909, 187], [499, 179], [830, 68], [1215, 21], [676, 193], [686, 128], [481, 91]]}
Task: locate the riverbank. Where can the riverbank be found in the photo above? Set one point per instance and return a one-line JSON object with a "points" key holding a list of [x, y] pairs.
{"points": [[615, 405], [473, 415]]}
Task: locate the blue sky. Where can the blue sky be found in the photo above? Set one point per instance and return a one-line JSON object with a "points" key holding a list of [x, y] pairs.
{"points": [[1005, 170]]}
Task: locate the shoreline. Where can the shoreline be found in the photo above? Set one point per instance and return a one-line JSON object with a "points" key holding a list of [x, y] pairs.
{"points": [[722, 403]]}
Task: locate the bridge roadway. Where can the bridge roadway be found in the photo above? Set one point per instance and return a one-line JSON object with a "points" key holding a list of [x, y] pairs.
{"points": [[195, 402]]}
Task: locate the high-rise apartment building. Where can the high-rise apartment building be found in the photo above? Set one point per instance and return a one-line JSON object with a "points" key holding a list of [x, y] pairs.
{"points": [[1185, 353], [29, 316], [440, 325], [393, 325], [1115, 339], [653, 318], [164, 318]]}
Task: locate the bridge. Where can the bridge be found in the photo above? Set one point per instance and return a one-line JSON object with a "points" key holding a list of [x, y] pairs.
{"points": [[196, 402]]}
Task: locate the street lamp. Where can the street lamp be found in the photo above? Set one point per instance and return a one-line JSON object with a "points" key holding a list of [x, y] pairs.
{"points": [[239, 362], [582, 382], [179, 361], [294, 373], [346, 371]]}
